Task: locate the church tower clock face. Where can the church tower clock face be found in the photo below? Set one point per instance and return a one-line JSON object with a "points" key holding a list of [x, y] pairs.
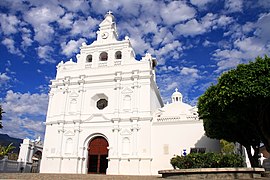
{"points": [[104, 35]]}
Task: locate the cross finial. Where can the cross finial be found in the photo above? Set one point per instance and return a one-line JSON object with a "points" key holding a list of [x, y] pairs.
{"points": [[109, 12], [176, 90]]}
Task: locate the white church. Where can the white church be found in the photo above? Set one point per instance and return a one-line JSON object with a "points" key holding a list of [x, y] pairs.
{"points": [[106, 115]]}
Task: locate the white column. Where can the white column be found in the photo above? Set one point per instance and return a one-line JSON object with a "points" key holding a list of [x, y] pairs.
{"points": [[135, 77], [135, 128], [118, 77], [50, 104]]}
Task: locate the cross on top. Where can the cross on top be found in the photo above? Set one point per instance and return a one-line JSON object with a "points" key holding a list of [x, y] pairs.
{"points": [[176, 90], [109, 12]]}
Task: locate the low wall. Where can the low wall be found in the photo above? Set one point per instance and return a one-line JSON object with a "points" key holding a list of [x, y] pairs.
{"points": [[11, 166], [213, 173]]}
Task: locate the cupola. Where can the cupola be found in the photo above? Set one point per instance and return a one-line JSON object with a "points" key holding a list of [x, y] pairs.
{"points": [[176, 96]]}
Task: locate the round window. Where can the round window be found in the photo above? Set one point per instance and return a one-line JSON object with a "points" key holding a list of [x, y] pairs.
{"points": [[102, 103]]}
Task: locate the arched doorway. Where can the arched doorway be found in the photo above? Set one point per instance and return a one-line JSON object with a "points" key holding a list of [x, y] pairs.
{"points": [[36, 162], [97, 155]]}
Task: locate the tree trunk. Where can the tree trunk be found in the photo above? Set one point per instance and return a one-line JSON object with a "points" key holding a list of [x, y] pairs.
{"points": [[253, 158]]}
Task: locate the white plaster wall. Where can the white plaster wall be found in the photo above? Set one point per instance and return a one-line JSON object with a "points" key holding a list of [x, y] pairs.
{"points": [[177, 136]]}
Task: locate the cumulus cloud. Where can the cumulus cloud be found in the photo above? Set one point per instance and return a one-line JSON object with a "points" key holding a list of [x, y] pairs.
{"points": [[210, 21], [40, 18], [79, 27], [191, 72], [71, 47], [4, 78], [66, 21], [44, 52], [176, 12], [10, 44], [234, 5], [24, 111], [9, 24], [201, 3], [244, 47]]}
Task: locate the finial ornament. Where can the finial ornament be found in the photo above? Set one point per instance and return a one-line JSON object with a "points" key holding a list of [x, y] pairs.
{"points": [[109, 12], [176, 90]]}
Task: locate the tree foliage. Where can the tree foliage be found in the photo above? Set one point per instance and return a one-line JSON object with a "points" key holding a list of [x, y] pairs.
{"points": [[237, 108], [4, 150]]}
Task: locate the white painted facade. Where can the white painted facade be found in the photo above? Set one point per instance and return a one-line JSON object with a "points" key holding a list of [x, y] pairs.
{"points": [[142, 134]]}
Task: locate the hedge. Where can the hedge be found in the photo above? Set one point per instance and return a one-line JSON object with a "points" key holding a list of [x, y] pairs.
{"points": [[207, 160]]}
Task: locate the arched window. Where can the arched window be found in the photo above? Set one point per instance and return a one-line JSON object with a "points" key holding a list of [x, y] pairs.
{"points": [[118, 55], [89, 58], [127, 102], [69, 146], [125, 146], [103, 56]]}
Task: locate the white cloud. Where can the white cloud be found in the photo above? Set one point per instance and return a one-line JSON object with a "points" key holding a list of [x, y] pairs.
{"points": [[191, 28], [201, 3], [9, 24], [84, 27], [10, 44], [39, 18], [45, 52], [176, 12], [4, 78], [210, 21], [234, 5], [71, 47], [244, 47], [26, 38], [66, 21], [24, 112], [191, 72], [172, 86]]}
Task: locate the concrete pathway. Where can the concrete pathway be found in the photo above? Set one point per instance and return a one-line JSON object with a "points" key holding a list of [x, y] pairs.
{"points": [[32, 176]]}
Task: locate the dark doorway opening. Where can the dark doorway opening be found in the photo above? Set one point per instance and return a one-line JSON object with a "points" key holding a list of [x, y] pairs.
{"points": [[97, 155]]}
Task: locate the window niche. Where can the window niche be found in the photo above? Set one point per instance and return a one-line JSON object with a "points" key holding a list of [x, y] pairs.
{"points": [[102, 103], [103, 56], [118, 55], [99, 101], [89, 58]]}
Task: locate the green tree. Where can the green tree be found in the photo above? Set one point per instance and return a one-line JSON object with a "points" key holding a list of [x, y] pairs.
{"points": [[1, 112], [226, 147], [237, 108]]}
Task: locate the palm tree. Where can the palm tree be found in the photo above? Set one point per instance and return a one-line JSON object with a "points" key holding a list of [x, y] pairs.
{"points": [[4, 150]]}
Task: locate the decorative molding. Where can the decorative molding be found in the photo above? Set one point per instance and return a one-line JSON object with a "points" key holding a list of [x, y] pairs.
{"points": [[69, 133], [125, 132], [127, 91]]}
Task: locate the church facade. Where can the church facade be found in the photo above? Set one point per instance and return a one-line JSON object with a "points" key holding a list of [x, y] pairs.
{"points": [[106, 115]]}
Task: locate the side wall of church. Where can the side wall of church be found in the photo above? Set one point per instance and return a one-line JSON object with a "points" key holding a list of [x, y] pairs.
{"points": [[177, 137]]}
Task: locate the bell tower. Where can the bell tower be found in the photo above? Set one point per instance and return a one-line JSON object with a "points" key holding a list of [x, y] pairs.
{"points": [[107, 29]]}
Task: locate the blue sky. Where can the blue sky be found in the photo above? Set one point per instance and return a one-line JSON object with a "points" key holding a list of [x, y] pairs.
{"points": [[194, 41]]}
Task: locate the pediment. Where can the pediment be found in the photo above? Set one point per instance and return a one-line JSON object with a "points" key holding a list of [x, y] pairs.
{"points": [[127, 91], [97, 118], [73, 94], [125, 132], [105, 22], [69, 133]]}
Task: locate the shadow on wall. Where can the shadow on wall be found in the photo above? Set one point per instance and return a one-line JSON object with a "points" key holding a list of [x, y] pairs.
{"points": [[210, 145]]}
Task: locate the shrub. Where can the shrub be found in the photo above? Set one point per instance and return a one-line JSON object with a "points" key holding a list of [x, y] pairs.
{"points": [[207, 160]]}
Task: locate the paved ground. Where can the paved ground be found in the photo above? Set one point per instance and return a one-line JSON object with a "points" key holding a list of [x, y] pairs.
{"points": [[37, 176], [32, 176]]}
